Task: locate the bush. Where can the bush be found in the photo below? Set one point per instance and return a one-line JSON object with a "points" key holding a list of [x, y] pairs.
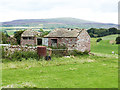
{"points": [[91, 34], [98, 40], [118, 40], [59, 53], [86, 52], [19, 55], [3, 52], [17, 35], [76, 52]]}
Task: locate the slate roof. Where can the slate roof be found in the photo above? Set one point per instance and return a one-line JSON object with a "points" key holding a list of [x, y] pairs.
{"points": [[63, 33], [29, 33]]}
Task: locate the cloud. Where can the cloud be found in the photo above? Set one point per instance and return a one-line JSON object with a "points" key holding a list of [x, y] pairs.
{"points": [[94, 10]]}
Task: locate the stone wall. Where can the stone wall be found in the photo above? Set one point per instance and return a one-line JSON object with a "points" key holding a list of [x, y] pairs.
{"points": [[83, 41], [69, 42], [29, 42], [13, 48]]}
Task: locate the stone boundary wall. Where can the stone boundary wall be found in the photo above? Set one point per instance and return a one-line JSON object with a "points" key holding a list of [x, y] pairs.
{"points": [[11, 49]]}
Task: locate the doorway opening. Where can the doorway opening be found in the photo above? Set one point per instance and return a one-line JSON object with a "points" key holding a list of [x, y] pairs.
{"points": [[39, 41]]}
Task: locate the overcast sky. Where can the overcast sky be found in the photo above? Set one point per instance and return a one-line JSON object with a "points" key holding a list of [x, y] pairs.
{"points": [[94, 10]]}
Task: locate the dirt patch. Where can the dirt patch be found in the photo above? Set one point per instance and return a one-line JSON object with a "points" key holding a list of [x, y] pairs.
{"points": [[112, 41]]}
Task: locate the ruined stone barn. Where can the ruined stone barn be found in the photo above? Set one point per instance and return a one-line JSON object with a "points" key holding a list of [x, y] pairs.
{"points": [[31, 37], [73, 39]]}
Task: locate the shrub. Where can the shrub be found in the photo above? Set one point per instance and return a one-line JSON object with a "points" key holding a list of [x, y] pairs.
{"points": [[3, 52], [17, 35], [98, 40], [18, 55], [59, 53], [76, 52], [118, 40], [86, 52], [91, 34]]}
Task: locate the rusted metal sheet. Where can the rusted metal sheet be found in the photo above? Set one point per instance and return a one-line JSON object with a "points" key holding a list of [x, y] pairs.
{"points": [[41, 50]]}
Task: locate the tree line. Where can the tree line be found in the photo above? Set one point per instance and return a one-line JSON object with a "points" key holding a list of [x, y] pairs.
{"points": [[94, 32]]}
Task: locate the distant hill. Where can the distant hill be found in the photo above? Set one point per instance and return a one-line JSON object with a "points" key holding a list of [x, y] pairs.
{"points": [[58, 23]]}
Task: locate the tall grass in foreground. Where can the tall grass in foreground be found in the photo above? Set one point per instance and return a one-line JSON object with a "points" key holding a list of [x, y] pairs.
{"points": [[19, 55], [69, 72]]}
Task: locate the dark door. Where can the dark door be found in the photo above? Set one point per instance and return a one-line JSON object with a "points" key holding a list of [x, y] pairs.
{"points": [[39, 41]]}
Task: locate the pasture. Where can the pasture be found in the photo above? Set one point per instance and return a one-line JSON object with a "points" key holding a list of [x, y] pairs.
{"points": [[104, 47], [83, 71]]}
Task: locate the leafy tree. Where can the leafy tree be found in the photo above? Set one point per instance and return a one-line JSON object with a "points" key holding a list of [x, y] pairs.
{"points": [[93, 32], [112, 30], [4, 38], [45, 33], [17, 35], [98, 40], [118, 40], [5, 32], [118, 31], [41, 30]]}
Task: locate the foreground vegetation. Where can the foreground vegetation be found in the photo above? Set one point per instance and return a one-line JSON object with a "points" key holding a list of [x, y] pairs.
{"points": [[73, 72], [81, 71]]}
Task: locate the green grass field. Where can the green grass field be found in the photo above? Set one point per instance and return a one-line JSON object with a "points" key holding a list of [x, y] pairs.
{"points": [[10, 32], [87, 71], [104, 47], [110, 37]]}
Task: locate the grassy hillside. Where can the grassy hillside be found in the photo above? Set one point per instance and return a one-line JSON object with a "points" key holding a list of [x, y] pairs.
{"points": [[87, 71], [104, 46], [57, 23], [110, 37]]}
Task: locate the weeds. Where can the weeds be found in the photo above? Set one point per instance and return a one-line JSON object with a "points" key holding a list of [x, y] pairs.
{"points": [[19, 55]]}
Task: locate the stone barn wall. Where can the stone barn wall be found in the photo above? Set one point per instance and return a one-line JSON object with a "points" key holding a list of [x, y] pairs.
{"points": [[29, 41], [69, 42], [83, 41]]}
